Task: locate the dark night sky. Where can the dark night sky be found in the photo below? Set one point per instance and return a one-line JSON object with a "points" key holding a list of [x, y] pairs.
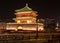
{"points": [[45, 9]]}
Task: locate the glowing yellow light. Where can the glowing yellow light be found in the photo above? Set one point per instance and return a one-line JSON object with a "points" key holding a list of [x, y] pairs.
{"points": [[11, 28], [18, 21], [20, 27], [28, 21], [41, 28]]}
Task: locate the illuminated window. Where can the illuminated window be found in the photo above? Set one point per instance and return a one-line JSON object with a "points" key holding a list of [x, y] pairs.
{"points": [[28, 21], [23, 21], [41, 28], [18, 21]]}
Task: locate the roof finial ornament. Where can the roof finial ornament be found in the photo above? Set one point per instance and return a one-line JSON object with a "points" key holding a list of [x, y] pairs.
{"points": [[26, 4]]}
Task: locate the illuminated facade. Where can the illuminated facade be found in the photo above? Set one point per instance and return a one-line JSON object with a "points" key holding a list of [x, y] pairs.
{"points": [[25, 20], [25, 15]]}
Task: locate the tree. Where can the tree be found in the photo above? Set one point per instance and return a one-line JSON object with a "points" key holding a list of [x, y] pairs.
{"points": [[50, 25]]}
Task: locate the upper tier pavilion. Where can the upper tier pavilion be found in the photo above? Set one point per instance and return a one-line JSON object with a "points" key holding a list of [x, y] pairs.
{"points": [[25, 15]]}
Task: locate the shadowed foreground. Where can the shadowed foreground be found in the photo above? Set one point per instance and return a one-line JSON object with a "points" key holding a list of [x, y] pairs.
{"points": [[30, 38]]}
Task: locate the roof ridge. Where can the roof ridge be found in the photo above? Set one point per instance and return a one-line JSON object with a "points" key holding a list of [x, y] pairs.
{"points": [[27, 8]]}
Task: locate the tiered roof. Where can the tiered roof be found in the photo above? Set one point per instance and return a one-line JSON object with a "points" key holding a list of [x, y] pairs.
{"points": [[26, 8]]}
